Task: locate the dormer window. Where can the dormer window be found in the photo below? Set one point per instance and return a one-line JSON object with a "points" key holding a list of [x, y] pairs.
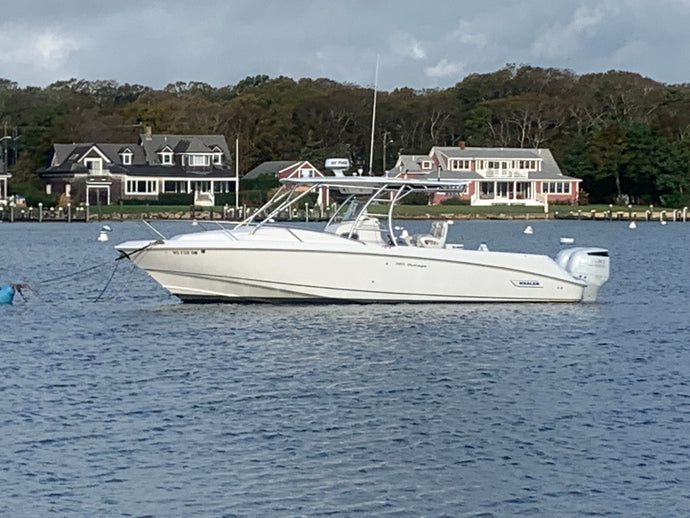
{"points": [[126, 157], [426, 165], [217, 155], [166, 156]]}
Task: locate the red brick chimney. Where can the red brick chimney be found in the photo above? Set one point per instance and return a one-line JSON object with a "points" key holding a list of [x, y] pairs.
{"points": [[461, 144]]}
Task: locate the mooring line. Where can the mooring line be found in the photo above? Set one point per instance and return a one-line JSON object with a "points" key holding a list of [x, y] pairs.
{"points": [[112, 274], [67, 276]]}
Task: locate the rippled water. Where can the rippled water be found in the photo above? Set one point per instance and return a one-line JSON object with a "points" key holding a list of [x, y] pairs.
{"points": [[116, 400]]}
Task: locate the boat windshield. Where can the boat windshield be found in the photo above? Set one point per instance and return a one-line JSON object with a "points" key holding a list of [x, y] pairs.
{"points": [[354, 209]]}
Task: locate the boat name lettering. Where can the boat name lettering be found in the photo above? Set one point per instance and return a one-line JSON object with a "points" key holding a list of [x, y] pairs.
{"points": [[527, 284], [411, 265], [185, 252]]}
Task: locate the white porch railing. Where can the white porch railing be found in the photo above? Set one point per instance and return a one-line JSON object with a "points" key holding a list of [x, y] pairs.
{"points": [[503, 173]]}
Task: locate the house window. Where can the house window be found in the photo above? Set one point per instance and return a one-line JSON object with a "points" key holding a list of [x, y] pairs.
{"points": [[556, 187], [306, 173], [222, 187], [486, 190], [497, 165], [198, 160], [175, 186], [94, 165], [166, 158], [458, 164], [218, 158], [528, 164], [141, 187]]}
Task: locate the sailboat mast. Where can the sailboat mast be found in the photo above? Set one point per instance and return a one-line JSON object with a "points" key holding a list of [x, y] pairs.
{"points": [[373, 119]]}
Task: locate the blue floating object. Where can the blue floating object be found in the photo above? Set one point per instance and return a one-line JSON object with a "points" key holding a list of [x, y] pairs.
{"points": [[6, 294]]}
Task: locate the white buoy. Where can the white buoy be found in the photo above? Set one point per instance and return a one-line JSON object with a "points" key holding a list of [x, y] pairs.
{"points": [[632, 224], [528, 230], [194, 223], [663, 221], [103, 236], [106, 228], [567, 240], [483, 247]]}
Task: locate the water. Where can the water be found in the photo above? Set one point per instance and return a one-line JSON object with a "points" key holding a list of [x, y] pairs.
{"points": [[116, 400]]}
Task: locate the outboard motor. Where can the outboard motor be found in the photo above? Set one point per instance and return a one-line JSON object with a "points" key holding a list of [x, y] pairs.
{"points": [[592, 265]]}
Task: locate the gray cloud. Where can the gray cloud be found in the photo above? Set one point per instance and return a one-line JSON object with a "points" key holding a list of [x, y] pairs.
{"points": [[419, 45]]}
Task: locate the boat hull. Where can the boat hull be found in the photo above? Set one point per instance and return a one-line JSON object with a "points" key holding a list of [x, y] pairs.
{"points": [[350, 272]]}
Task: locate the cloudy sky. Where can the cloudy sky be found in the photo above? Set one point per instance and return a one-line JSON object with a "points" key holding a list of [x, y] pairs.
{"points": [[419, 44]]}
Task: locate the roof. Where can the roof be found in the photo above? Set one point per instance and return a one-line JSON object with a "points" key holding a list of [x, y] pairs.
{"points": [[549, 167], [183, 144], [269, 168], [412, 164], [66, 154], [68, 159], [488, 152]]}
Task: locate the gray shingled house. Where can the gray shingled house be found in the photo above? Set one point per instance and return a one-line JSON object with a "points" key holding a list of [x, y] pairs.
{"points": [[196, 165]]}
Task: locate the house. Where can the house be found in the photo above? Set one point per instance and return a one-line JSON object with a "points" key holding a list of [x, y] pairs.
{"points": [[290, 169], [495, 176], [157, 165]]}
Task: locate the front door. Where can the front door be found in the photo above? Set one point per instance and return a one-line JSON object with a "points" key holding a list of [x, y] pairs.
{"points": [[98, 195]]}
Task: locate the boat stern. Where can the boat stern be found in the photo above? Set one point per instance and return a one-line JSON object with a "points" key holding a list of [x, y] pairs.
{"points": [[591, 265]]}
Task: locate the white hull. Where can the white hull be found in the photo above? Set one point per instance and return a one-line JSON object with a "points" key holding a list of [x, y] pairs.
{"points": [[355, 259], [277, 264]]}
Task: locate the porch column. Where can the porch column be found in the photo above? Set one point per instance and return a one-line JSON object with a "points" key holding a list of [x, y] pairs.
{"points": [[514, 190], [495, 189]]}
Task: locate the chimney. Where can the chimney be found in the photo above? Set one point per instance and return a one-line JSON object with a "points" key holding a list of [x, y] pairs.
{"points": [[461, 144], [147, 132]]}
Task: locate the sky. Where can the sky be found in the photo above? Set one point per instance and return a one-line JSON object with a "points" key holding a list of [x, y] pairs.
{"points": [[418, 44]]}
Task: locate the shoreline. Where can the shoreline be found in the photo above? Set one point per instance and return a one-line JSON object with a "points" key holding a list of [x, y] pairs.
{"points": [[34, 216]]}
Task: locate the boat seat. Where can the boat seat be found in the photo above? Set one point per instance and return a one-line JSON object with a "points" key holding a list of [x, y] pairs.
{"points": [[436, 238]]}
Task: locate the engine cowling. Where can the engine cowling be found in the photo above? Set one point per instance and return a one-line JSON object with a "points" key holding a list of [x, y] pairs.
{"points": [[591, 265]]}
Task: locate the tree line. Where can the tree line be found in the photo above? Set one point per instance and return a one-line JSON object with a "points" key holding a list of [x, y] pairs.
{"points": [[626, 136]]}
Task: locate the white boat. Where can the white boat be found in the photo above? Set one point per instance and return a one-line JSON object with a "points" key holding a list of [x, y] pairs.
{"points": [[357, 257]]}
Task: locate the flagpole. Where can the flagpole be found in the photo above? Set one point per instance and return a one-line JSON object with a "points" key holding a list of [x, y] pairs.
{"points": [[373, 119]]}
